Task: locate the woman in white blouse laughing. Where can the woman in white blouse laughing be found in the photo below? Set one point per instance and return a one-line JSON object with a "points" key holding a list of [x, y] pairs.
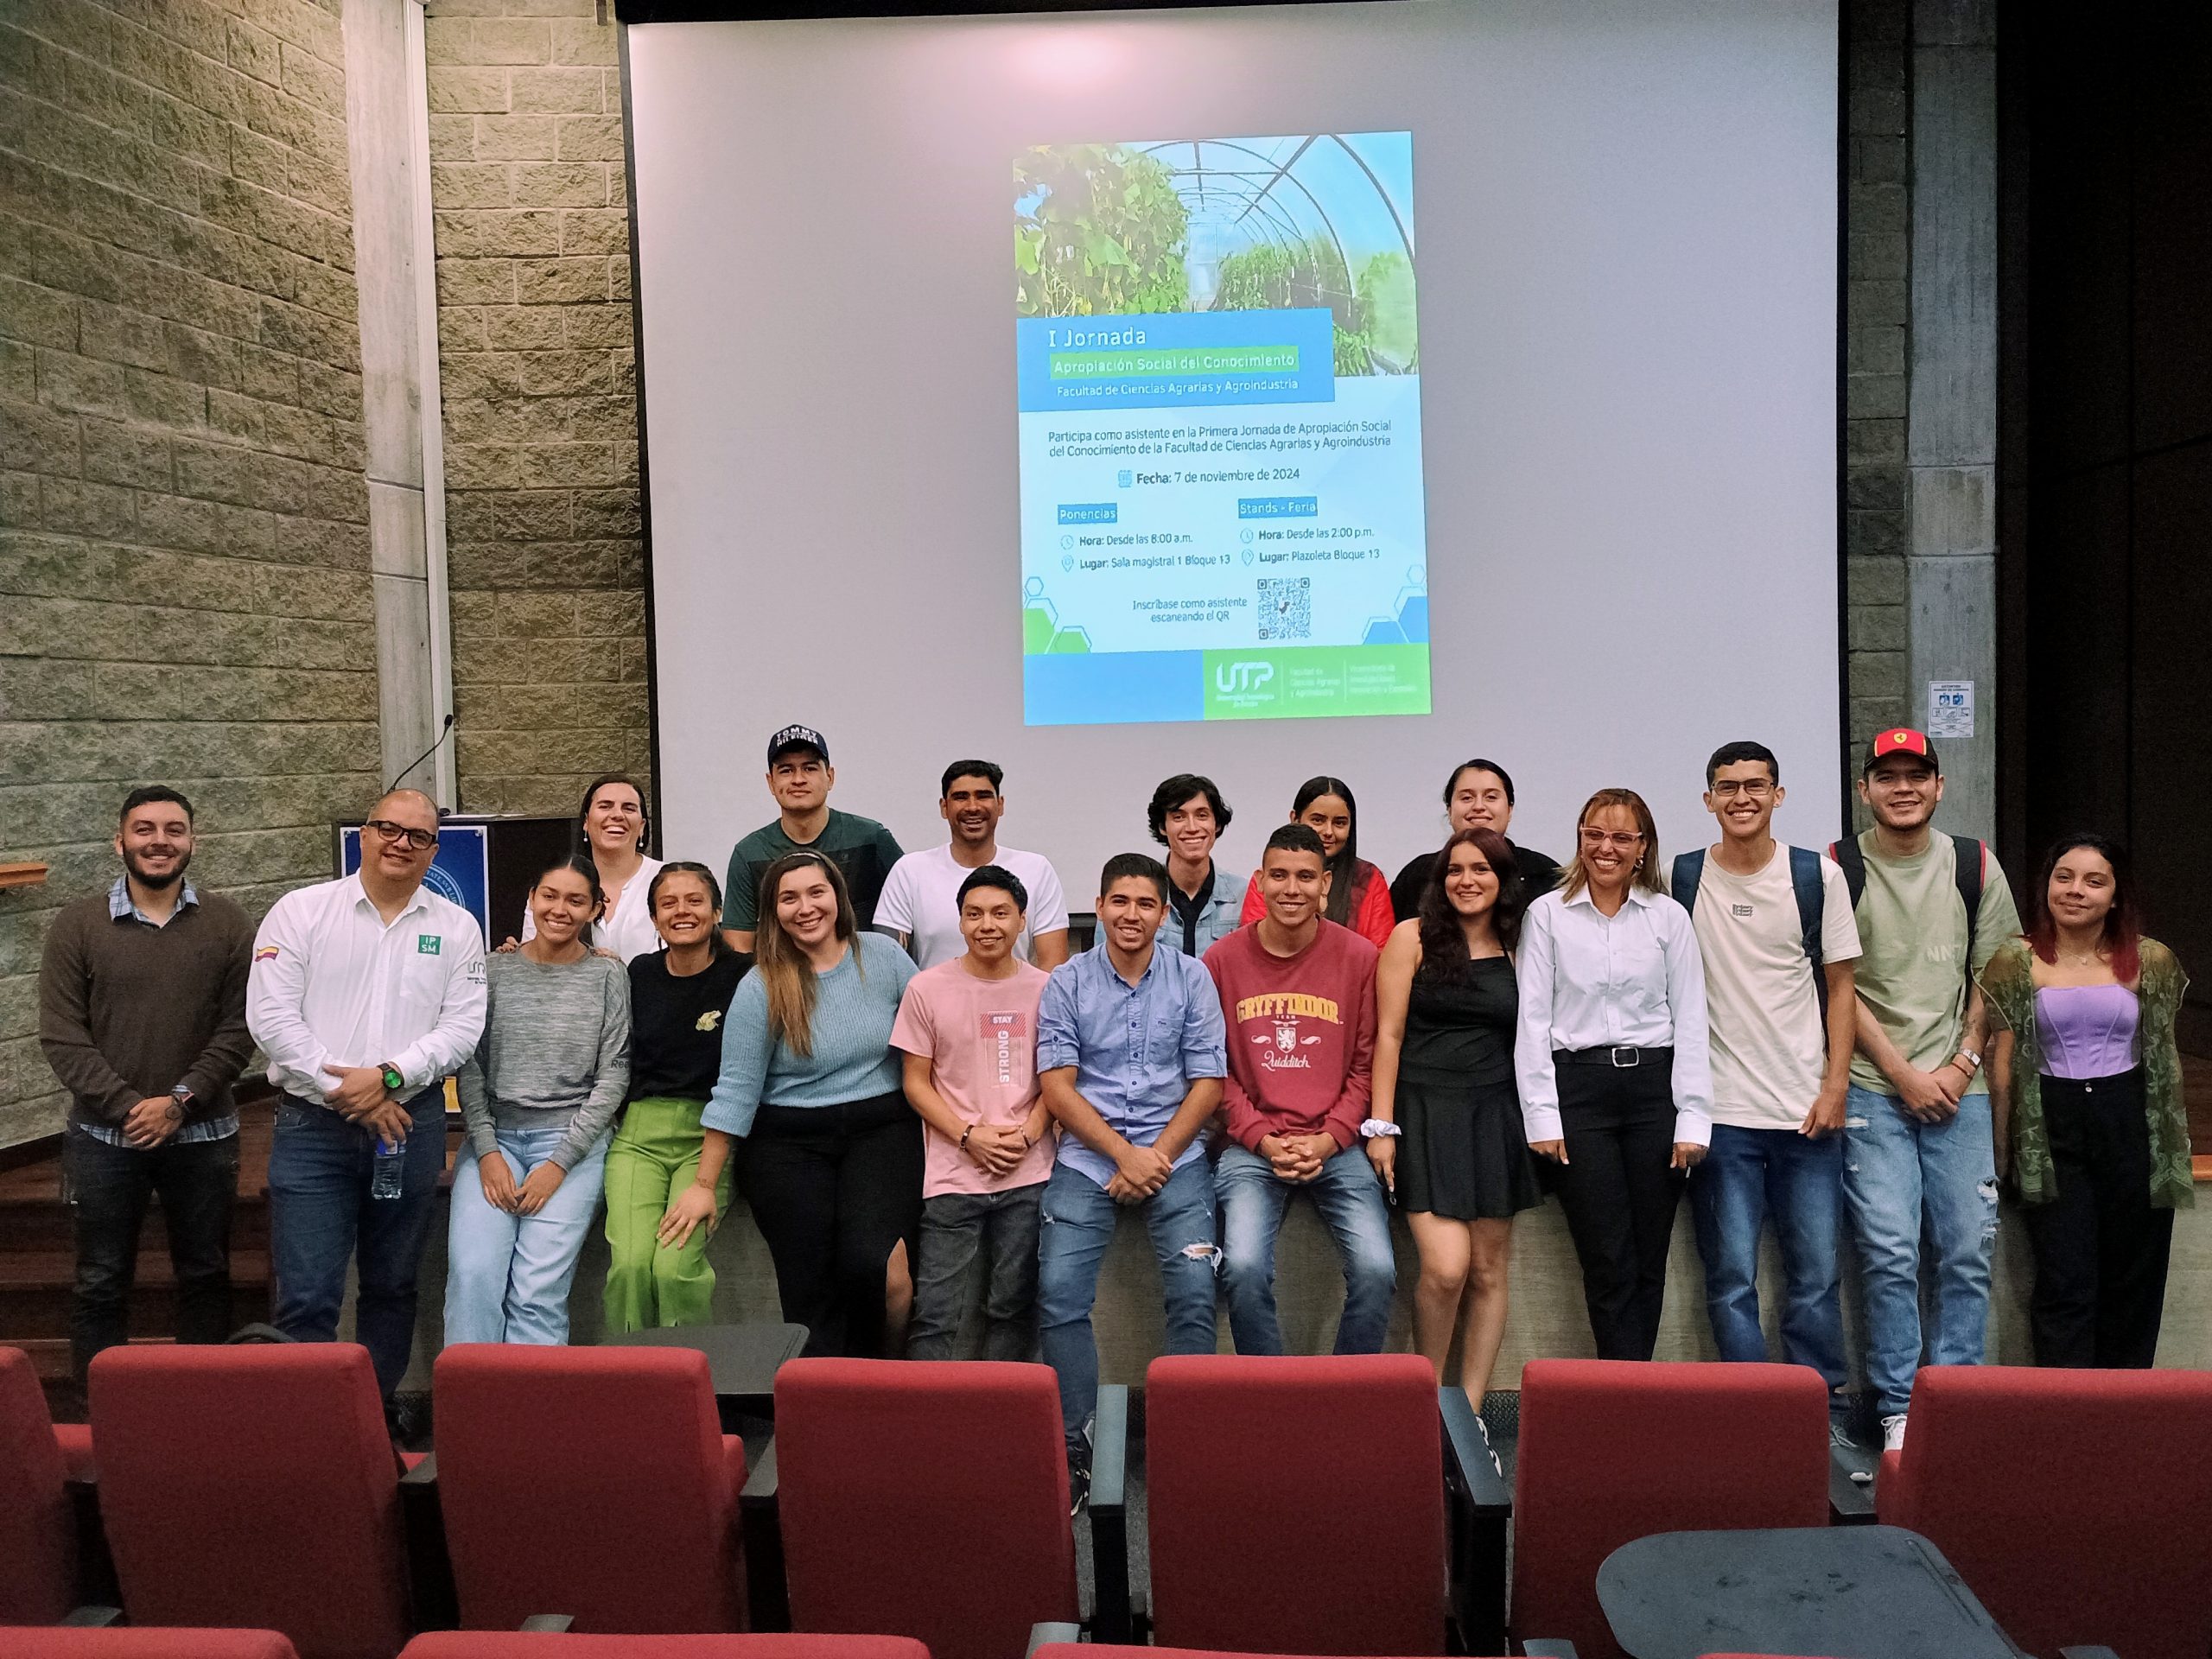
{"points": [[612, 830], [1616, 1085]]}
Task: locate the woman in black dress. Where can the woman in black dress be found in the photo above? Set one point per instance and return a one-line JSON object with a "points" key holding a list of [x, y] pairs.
{"points": [[1457, 1165]]}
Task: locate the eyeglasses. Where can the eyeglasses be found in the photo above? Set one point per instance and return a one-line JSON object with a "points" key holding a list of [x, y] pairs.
{"points": [[1623, 839], [1757, 789], [387, 831]]}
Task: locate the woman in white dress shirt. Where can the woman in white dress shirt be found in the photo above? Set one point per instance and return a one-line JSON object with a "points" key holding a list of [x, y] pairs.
{"points": [[1616, 1085], [611, 829]]}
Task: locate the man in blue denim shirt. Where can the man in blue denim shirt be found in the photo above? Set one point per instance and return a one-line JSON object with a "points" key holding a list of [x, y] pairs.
{"points": [[1130, 1052]]}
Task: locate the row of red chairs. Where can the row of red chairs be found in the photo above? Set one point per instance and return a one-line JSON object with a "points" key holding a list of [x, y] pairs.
{"points": [[161, 1644], [254, 1486]]}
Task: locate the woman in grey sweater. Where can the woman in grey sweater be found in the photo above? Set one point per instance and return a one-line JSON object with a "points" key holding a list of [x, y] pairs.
{"points": [[536, 1099]]}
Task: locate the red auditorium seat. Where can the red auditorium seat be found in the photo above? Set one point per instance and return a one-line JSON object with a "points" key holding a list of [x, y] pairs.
{"points": [[509, 1644], [926, 1498], [131, 1641], [1613, 1450], [1296, 1504], [1108, 1651], [253, 1486], [593, 1482], [38, 1530], [2076, 1504]]}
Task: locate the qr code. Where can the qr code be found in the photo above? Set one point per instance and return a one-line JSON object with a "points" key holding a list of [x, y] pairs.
{"points": [[1286, 607]]}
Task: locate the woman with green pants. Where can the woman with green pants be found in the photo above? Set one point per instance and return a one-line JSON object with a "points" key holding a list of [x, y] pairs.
{"points": [[678, 998]]}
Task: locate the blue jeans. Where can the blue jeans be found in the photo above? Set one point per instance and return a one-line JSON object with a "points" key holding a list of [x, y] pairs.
{"points": [[1348, 1195], [1902, 1177], [319, 1211], [1077, 1225], [508, 1276], [1749, 1176]]}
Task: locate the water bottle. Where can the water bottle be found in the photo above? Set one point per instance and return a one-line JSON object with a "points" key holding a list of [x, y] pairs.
{"points": [[386, 1171]]}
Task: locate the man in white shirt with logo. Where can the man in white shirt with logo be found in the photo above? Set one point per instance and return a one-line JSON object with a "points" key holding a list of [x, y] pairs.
{"points": [[365, 993], [1778, 941], [920, 903]]}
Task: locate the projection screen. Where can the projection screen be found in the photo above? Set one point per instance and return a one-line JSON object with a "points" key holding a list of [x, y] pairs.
{"points": [[1417, 380]]}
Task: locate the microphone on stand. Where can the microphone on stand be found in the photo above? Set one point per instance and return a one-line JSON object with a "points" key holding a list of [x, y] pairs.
{"points": [[445, 731]]}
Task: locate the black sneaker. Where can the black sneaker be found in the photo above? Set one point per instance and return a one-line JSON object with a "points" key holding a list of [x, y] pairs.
{"points": [[1078, 1481]]}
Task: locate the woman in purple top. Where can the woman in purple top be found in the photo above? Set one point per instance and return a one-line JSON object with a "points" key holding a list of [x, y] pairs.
{"points": [[2087, 1089]]}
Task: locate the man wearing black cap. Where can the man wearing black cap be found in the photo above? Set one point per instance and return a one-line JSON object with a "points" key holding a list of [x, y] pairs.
{"points": [[1919, 1152], [800, 777]]}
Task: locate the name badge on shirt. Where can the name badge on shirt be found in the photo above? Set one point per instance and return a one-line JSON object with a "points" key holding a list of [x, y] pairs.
{"points": [[426, 945]]}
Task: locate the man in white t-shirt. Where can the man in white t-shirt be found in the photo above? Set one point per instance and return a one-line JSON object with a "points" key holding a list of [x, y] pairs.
{"points": [[1775, 928], [920, 903]]}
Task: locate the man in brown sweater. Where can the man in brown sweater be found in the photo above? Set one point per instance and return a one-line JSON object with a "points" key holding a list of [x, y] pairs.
{"points": [[142, 1015]]}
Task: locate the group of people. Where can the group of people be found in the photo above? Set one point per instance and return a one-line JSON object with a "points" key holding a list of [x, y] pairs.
{"points": [[927, 1101]]}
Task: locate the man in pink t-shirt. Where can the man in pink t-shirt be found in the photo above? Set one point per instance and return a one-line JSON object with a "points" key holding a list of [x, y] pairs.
{"points": [[968, 1030]]}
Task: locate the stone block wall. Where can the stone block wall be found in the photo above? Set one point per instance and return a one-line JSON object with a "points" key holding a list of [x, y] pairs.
{"points": [[535, 338], [1876, 308], [184, 557]]}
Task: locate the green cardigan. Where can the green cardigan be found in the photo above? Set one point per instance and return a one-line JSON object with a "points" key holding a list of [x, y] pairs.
{"points": [[2009, 984]]}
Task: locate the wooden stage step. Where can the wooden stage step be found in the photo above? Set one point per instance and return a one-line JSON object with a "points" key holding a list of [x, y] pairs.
{"points": [[45, 1223], [34, 1292]]}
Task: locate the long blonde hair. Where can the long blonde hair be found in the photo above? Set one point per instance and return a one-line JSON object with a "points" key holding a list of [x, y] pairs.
{"points": [[789, 978], [1576, 876]]}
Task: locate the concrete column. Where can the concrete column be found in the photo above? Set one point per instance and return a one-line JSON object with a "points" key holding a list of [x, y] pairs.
{"points": [[1951, 426], [388, 128]]}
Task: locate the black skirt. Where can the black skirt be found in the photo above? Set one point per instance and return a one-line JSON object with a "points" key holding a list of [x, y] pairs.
{"points": [[1461, 1153]]}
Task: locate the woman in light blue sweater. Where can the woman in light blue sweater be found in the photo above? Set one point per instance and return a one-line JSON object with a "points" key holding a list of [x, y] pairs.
{"points": [[536, 1099], [833, 1164]]}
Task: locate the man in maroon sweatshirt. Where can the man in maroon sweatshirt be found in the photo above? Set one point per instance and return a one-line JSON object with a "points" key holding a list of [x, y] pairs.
{"points": [[1298, 995]]}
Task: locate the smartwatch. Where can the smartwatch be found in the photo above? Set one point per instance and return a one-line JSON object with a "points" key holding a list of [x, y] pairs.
{"points": [[393, 1082]]}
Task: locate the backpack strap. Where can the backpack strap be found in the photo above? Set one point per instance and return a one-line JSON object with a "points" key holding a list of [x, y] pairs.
{"points": [[1851, 858], [1812, 902], [1969, 868], [1689, 870], [1805, 882]]}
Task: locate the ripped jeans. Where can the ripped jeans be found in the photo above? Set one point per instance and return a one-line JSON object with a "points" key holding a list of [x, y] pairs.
{"points": [[1901, 1178], [1077, 1226]]}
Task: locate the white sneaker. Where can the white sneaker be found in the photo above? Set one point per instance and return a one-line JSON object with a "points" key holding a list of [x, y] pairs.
{"points": [[1893, 1433]]}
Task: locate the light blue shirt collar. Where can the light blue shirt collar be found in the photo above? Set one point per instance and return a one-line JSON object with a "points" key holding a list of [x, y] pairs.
{"points": [[120, 904], [1637, 895]]}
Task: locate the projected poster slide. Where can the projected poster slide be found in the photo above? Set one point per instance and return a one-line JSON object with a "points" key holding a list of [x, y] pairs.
{"points": [[1219, 393]]}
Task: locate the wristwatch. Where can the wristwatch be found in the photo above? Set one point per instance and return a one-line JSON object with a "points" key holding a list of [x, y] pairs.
{"points": [[1378, 1126], [393, 1081], [1973, 1060], [180, 1103]]}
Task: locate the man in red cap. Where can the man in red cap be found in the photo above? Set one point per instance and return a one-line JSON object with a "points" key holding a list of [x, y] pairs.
{"points": [[1919, 1157]]}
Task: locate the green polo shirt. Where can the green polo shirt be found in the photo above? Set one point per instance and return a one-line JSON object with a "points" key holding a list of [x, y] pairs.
{"points": [[862, 850]]}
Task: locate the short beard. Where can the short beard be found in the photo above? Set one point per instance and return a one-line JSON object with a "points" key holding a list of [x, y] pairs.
{"points": [[158, 883]]}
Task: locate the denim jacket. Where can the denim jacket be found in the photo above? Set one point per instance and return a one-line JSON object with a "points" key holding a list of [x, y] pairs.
{"points": [[1218, 920]]}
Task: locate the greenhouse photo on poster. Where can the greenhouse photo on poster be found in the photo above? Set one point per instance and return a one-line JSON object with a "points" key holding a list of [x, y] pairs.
{"points": [[1217, 364]]}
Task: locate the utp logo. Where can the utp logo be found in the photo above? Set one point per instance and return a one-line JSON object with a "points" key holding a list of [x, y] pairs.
{"points": [[1239, 679]]}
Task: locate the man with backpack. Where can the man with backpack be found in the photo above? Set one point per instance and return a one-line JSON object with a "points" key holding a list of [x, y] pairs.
{"points": [[1775, 928], [1919, 1156]]}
